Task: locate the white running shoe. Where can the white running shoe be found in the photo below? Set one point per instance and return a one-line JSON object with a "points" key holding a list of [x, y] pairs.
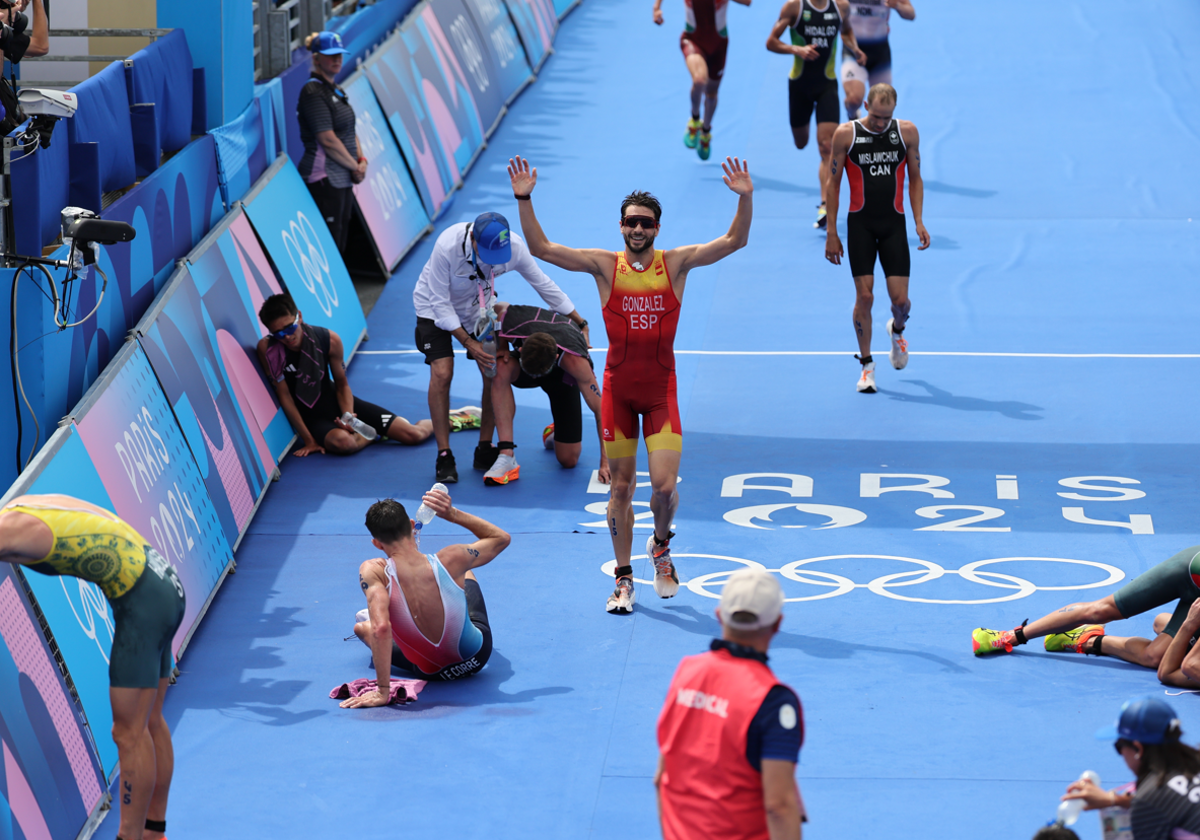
{"points": [[899, 352], [666, 582], [505, 469], [621, 601], [866, 382]]}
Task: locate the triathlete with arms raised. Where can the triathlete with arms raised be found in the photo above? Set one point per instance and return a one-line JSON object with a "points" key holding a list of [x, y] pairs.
{"points": [[640, 292], [875, 151]]}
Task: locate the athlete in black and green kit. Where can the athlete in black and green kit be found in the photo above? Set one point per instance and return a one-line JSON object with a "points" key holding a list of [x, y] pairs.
{"points": [[814, 26], [1079, 628], [61, 535]]}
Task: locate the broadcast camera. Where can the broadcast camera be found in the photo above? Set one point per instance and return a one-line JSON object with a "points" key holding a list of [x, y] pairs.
{"points": [[45, 106]]}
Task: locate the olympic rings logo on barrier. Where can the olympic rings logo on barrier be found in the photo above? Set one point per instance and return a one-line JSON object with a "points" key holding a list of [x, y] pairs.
{"points": [[94, 622], [310, 261], [799, 571]]}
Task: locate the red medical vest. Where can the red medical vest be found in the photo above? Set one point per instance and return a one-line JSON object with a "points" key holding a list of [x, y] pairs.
{"points": [[708, 787]]}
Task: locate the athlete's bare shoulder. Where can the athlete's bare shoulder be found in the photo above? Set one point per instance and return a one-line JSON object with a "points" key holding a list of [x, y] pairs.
{"points": [[908, 130], [790, 10]]}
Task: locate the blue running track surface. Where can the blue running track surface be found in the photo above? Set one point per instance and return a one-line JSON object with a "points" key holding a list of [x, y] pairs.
{"points": [[1051, 334]]}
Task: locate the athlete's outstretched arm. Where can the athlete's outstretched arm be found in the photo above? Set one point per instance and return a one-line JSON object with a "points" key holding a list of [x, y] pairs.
{"points": [[787, 16], [737, 178], [842, 138], [460, 559], [374, 585], [590, 260], [916, 184], [847, 33]]}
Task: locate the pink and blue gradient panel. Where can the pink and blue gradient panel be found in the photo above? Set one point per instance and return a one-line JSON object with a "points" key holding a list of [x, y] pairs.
{"points": [[387, 197]]}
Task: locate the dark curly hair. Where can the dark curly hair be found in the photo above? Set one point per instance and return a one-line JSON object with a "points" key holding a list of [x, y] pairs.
{"points": [[638, 198], [277, 306], [388, 521]]}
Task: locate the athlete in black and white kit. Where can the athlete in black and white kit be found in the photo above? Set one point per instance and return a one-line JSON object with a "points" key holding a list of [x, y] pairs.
{"points": [[869, 20], [812, 83], [875, 151]]}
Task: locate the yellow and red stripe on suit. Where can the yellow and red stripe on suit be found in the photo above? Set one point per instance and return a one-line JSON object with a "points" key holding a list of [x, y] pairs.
{"points": [[641, 316]]}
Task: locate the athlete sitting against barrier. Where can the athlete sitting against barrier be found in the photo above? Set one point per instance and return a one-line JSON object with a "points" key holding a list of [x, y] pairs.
{"points": [[1079, 628], [62, 535], [425, 612], [306, 366], [551, 353]]}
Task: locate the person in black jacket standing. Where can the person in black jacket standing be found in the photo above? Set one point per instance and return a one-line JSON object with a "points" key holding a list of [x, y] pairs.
{"points": [[332, 163]]}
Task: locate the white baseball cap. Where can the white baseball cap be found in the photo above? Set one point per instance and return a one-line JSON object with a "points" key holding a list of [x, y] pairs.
{"points": [[751, 600]]}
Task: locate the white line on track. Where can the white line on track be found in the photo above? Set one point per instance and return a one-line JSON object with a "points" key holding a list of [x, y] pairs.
{"points": [[873, 352]]}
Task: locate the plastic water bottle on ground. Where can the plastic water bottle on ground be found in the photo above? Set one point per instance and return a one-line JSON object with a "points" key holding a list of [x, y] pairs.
{"points": [[1070, 809], [425, 514], [359, 426]]}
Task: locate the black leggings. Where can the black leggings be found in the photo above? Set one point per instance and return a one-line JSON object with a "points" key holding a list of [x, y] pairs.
{"points": [[336, 204], [477, 611]]}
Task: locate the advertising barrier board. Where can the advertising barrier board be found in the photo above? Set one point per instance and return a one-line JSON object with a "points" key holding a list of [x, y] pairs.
{"points": [[387, 198]]}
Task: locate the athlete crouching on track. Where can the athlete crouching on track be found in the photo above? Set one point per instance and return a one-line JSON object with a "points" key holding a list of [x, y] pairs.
{"points": [[413, 598], [62, 535], [1079, 628]]}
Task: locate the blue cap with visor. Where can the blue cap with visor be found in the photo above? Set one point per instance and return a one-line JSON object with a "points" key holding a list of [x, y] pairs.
{"points": [[1143, 719], [328, 43], [493, 239]]}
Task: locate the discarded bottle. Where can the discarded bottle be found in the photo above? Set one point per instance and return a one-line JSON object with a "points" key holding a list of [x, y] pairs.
{"points": [[359, 426], [1070, 809]]}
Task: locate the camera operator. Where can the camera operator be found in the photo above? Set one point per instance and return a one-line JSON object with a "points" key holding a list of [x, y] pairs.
{"points": [[16, 42]]}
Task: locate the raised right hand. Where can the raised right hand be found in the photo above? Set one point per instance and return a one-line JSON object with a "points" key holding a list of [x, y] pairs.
{"points": [[523, 178], [658, 16]]}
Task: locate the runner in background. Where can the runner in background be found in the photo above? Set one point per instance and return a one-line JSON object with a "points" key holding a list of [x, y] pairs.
{"points": [[869, 20], [704, 42]]}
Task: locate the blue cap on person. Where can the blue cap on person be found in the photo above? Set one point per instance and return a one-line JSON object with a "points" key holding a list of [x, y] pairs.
{"points": [[493, 239], [328, 43], [1143, 719]]}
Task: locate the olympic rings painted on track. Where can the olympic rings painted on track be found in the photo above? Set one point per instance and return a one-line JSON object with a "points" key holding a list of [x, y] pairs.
{"points": [[840, 585]]}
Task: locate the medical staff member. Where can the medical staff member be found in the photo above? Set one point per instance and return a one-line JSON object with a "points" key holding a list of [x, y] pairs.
{"points": [[729, 734], [454, 297]]}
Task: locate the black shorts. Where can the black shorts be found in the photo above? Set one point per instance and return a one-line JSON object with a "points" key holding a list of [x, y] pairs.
{"points": [[887, 236], [322, 424], [1161, 585], [564, 403], [433, 341], [146, 618], [477, 611], [804, 96]]}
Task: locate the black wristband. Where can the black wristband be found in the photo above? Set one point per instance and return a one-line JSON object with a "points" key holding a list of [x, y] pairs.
{"points": [[582, 324], [522, 197]]}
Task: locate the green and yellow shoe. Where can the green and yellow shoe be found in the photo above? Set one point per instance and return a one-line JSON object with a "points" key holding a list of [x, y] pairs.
{"points": [[467, 417], [984, 641], [1073, 641], [704, 149], [692, 137]]}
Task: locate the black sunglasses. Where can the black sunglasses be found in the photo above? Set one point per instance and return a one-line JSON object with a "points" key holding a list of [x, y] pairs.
{"points": [[289, 329], [1122, 744], [645, 222]]}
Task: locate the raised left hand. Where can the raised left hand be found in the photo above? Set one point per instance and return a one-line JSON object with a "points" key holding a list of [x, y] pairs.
{"points": [[737, 176]]}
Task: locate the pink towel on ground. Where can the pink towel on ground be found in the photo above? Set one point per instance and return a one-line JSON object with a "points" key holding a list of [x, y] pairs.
{"points": [[403, 691]]}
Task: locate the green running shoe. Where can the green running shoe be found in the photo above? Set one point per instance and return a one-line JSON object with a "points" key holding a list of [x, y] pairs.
{"points": [[467, 417], [1073, 641], [984, 641], [693, 133], [705, 147]]}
